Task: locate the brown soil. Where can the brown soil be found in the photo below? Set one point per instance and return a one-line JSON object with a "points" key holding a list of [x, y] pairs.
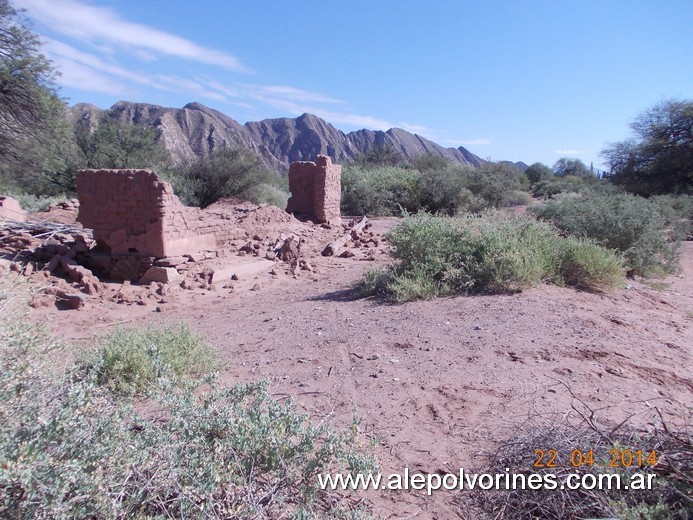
{"points": [[434, 382]]}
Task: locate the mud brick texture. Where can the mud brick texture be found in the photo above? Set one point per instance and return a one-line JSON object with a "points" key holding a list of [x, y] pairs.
{"points": [[316, 189], [132, 212]]}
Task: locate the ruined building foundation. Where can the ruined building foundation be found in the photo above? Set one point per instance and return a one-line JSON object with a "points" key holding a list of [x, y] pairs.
{"points": [[316, 189], [132, 212]]}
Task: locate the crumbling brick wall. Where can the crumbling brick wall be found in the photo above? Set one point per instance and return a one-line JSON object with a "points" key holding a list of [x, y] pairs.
{"points": [[316, 189], [132, 212]]}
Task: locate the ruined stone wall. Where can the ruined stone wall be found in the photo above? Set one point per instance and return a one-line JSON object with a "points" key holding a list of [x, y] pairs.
{"points": [[132, 212], [327, 189], [301, 181], [315, 189]]}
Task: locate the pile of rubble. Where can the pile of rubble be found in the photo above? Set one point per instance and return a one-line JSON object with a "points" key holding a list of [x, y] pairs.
{"points": [[138, 235]]}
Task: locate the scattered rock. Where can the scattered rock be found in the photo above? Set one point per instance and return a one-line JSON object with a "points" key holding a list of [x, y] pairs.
{"points": [[66, 299], [290, 249], [159, 274]]}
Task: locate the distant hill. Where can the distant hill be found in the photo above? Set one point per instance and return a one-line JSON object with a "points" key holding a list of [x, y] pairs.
{"points": [[195, 130]]}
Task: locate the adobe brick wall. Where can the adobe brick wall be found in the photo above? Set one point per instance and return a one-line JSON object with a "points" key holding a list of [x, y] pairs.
{"points": [[316, 189], [132, 212]]}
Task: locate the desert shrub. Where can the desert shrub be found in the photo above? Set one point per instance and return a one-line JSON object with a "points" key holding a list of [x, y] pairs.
{"points": [[468, 202], [495, 183], [549, 188], [440, 190], [131, 360], [437, 256], [553, 186], [519, 198], [677, 211], [70, 448], [431, 184], [227, 172], [627, 223], [379, 190], [33, 203], [586, 265], [538, 172], [267, 194]]}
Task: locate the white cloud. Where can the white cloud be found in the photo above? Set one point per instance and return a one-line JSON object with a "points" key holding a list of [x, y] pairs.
{"points": [[570, 152], [100, 24], [414, 129], [90, 72], [100, 38], [286, 92], [479, 141], [82, 77], [369, 122]]}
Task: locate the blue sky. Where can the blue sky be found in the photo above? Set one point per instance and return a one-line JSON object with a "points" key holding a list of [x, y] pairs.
{"points": [[515, 80]]}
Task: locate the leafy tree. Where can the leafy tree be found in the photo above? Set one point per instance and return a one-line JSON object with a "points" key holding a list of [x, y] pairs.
{"points": [[226, 172], [379, 190], [538, 172], [441, 189], [659, 159], [495, 183], [430, 162], [119, 144], [380, 155], [565, 166], [30, 111]]}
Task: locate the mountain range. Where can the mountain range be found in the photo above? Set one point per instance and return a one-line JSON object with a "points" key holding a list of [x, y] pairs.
{"points": [[196, 130]]}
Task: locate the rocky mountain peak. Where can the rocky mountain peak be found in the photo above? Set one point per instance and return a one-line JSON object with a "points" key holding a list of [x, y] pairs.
{"points": [[196, 130]]}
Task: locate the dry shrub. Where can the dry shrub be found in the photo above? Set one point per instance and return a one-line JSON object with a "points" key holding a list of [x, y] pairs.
{"points": [[668, 499]]}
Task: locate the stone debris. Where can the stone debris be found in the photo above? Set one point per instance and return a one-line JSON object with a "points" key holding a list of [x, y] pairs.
{"points": [[143, 235], [159, 274]]}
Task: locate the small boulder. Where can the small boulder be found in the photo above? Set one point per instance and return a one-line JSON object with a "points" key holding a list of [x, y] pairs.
{"points": [[159, 274]]}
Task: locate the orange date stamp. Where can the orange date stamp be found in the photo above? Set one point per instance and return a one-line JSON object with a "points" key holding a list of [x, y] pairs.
{"points": [[623, 458]]}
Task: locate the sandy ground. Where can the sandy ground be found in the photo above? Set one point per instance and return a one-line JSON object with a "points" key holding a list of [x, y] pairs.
{"points": [[434, 382]]}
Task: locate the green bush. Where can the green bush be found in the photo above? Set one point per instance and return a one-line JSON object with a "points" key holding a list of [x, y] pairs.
{"points": [[627, 223], [437, 256], [227, 172], [677, 211], [519, 198], [495, 183], [437, 187], [441, 190], [379, 190], [549, 188], [71, 449], [538, 172], [34, 204], [131, 360], [268, 194]]}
